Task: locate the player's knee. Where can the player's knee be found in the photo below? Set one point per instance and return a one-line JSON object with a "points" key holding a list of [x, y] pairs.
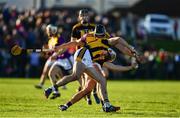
{"points": [[87, 90], [52, 72], [74, 76]]}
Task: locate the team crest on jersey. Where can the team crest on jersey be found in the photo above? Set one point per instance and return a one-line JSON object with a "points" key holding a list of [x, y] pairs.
{"points": [[85, 31]]}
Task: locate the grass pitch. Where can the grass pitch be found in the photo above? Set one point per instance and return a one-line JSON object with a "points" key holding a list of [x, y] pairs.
{"points": [[19, 98]]}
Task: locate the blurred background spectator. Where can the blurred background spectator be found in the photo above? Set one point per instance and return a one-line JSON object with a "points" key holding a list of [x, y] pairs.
{"points": [[27, 28]]}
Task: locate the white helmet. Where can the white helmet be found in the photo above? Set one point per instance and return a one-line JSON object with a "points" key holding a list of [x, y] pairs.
{"points": [[112, 54], [50, 29]]}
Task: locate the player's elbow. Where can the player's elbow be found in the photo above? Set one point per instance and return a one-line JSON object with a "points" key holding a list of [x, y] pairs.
{"points": [[120, 40], [115, 40]]}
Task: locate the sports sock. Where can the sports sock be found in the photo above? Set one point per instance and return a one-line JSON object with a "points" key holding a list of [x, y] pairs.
{"points": [[68, 104], [102, 103], [88, 99], [54, 88], [56, 92], [94, 90], [107, 103], [106, 100], [88, 96]]}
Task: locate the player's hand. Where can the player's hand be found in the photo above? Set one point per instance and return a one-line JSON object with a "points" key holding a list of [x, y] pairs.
{"points": [[56, 49], [135, 54], [140, 59], [133, 51], [134, 63]]}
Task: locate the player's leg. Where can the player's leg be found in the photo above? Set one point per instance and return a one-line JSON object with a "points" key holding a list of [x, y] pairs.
{"points": [[86, 90], [95, 94], [103, 85], [100, 79], [44, 74], [59, 69], [88, 96], [99, 93], [67, 65], [78, 69], [90, 84], [93, 73], [96, 91], [55, 73], [104, 71]]}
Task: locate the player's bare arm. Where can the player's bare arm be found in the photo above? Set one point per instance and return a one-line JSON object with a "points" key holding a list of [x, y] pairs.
{"points": [[56, 54], [114, 67], [124, 47], [118, 40], [127, 49], [69, 44]]}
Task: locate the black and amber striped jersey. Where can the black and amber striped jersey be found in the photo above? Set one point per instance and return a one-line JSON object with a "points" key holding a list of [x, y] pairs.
{"points": [[97, 46], [79, 30]]}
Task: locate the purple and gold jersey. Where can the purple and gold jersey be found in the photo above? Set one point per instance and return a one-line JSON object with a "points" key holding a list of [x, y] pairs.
{"points": [[56, 41]]}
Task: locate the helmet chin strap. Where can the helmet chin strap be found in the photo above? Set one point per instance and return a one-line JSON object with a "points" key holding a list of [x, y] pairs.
{"points": [[84, 22]]}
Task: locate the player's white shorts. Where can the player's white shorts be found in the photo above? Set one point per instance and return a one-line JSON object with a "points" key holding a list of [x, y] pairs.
{"points": [[49, 62], [66, 63], [84, 56]]}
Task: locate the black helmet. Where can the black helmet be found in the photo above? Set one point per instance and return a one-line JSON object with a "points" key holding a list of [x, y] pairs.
{"points": [[99, 30], [83, 11]]}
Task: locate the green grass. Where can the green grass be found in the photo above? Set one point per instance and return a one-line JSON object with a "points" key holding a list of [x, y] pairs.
{"points": [[19, 98]]}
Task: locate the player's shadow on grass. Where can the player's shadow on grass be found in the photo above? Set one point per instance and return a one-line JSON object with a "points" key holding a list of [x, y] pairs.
{"points": [[151, 102], [155, 102]]}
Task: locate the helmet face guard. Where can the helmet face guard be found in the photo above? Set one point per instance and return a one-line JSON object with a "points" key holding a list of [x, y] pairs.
{"points": [[99, 30], [83, 16], [83, 12], [51, 30]]}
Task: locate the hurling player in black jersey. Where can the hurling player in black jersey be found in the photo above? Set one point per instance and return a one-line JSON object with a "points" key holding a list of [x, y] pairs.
{"points": [[78, 30]]}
